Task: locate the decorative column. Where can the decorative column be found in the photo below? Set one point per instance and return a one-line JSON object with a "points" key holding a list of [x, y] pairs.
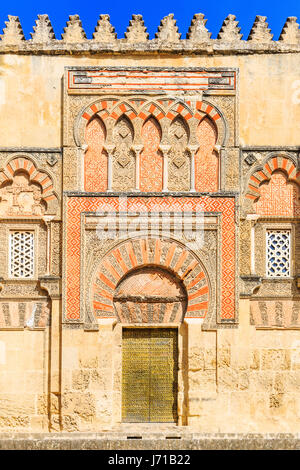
{"points": [[109, 150], [81, 170], [192, 150], [165, 150], [47, 219], [137, 150]]}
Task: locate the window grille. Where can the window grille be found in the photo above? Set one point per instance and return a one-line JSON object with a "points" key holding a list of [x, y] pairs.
{"points": [[278, 253], [21, 263]]}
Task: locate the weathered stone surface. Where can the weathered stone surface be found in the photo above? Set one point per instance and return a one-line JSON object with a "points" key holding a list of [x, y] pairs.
{"points": [[136, 31], [260, 31], [74, 31], [104, 31], [167, 30], [43, 31], [234, 377], [290, 32], [230, 31], [12, 33], [197, 31]]}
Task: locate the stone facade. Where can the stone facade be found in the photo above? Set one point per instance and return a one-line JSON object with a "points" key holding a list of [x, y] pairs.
{"points": [[113, 151]]}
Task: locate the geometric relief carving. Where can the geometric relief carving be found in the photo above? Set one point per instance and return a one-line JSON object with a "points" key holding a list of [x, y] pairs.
{"points": [[21, 197], [30, 314], [77, 205], [21, 263], [123, 156], [179, 157], [275, 313], [151, 162], [26, 190], [206, 159], [278, 197], [278, 253], [95, 161]]}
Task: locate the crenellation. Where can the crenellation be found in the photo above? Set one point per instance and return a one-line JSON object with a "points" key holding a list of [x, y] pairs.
{"points": [[43, 31], [197, 31], [13, 32], [74, 31], [198, 37], [136, 31], [104, 31], [168, 30], [290, 33], [260, 33], [230, 31]]}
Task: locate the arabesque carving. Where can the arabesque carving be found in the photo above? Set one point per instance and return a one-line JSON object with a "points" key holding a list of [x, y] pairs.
{"points": [[21, 197], [290, 33], [123, 156], [179, 157]]}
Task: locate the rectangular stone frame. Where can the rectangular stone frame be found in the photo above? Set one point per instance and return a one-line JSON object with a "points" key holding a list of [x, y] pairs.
{"points": [[77, 203]]}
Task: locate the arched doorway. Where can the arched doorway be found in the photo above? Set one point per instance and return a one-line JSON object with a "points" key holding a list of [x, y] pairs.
{"points": [[150, 297]]}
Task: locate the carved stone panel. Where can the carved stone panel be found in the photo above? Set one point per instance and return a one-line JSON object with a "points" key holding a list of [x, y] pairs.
{"points": [[206, 160], [95, 160], [151, 164], [21, 197], [123, 156], [179, 157]]}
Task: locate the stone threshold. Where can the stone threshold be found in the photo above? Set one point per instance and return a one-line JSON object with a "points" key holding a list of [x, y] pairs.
{"points": [[120, 440]]}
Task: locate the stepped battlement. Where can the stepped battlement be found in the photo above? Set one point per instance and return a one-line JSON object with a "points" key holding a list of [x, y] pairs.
{"points": [[136, 39]]}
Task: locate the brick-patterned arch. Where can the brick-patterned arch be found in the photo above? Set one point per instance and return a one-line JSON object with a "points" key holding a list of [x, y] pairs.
{"points": [[110, 107], [95, 108], [123, 108], [263, 174], [137, 253], [181, 109], [151, 109], [22, 163]]}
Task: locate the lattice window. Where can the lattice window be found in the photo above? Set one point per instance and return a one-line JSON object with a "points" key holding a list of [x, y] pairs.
{"points": [[21, 262], [278, 253]]}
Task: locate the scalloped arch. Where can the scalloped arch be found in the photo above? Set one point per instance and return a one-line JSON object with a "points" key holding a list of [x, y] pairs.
{"points": [[43, 178], [176, 107], [264, 172]]}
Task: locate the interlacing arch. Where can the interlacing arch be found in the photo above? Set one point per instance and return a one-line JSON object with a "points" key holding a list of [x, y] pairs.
{"points": [[142, 108], [23, 163], [264, 174]]}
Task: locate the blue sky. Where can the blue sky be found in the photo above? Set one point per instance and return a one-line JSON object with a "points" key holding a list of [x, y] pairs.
{"points": [[153, 11]]}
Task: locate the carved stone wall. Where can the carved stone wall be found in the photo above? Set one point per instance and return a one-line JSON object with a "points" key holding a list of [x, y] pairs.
{"points": [[207, 160], [151, 164], [95, 160], [123, 156]]}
